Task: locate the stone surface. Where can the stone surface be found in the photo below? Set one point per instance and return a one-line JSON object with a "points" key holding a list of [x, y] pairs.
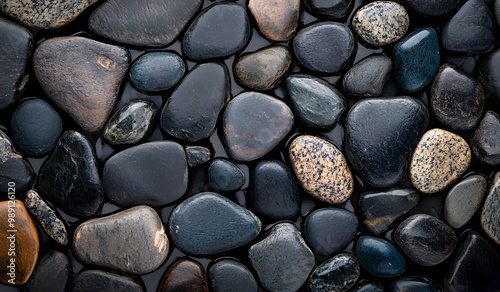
{"points": [[315, 44], [485, 141], [230, 275], [82, 76], [425, 239], [379, 257], [151, 23], [432, 8], [157, 71], [329, 9], [133, 241], [368, 76], [208, 223], [184, 275], [489, 75], [224, 175], [379, 147], [253, 124], [321, 169], [339, 273], [193, 109], [13, 168], [276, 20], [490, 217], [415, 284], [317, 103], [197, 155], [100, 281], [282, 259], [497, 11], [368, 286], [381, 22], [464, 199], [52, 273], [440, 158]]}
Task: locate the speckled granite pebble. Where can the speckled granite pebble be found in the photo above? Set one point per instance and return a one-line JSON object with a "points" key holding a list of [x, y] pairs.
{"points": [[276, 20], [490, 217], [339, 273], [223, 175], [415, 284], [197, 155], [368, 76], [52, 273], [184, 275], [464, 199], [157, 71], [101, 281], [485, 141]]}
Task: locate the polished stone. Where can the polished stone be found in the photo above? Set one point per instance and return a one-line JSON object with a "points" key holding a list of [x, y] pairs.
{"points": [[485, 141], [52, 273], [184, 275], [379, 257], [197, 155], [100, 281], [224, 175], [276, 20], [339, 273], [432, 8], [368, 76], [329, 9], [13, 168], [368, 286], [490, 217], [231, 275], [489, 75], [415, 284], [464, 199], [157, 71]]}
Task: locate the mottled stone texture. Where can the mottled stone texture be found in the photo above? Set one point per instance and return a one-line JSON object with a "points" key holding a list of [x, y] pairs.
{"points": [[100, 281], [13, 168], [52, 273], [197, 155], [339, 273], [490, 217], [485, 141], [184, 275], [276, 20]]}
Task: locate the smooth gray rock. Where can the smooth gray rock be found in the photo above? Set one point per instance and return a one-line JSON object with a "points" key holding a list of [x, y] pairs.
{"points": [[485, 141], [490, 217], [368, 76], [230, 275], [223, 175], [464, 199], [157, 71]]}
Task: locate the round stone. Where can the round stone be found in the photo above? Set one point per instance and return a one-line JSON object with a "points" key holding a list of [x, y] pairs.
{"points": [[224, 175], [276, 20], [157, 71], [339, 273], [184, 275], [52, 273], [379, 257], [231, 275], [485, 141], [463, 200]]}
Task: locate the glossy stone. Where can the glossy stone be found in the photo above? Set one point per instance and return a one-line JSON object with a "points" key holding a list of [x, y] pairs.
{"points": [[379, 147], [253, 124], [276, 20], [197, 155], [157, 71], [229, 275], [208, 223], [368, 286], [368, 76], [192, 110], [13, 168], [432, 8], [151, 23], [339, 273], [133, 241], [282, 259], [224, 175], [329, 9], [52, 273], [317, 103], [485, 141], [100, 281], [82, 76], [321, 169], [464, 199], [489, 75], [425, 239], [415, 284], [184, 275], [490, 217], [379, 257]]}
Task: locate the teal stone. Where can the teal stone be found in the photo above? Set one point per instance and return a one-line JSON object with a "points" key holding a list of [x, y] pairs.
{"points": [[157, 71], [379, 257], [339, 273], [224, 175]]}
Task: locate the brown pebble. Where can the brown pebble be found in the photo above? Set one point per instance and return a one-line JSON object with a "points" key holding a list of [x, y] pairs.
{"points": [[184, 275], [276, 20]]}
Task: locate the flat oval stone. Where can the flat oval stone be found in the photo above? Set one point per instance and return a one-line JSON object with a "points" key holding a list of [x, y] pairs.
{"points": [[368, 76], [51, 274], [230, 275], [133, 241], [329, 9], [208, 223], [321, 169], [197, 155], [282, 259], [150, 23], [254, 123], [224, 175], [314, 45], [13, 168], [339, 273], [425, 239], [368, 286], [489, 74], [485, 141], [157, 71], [263, 69], [379, 257], [440, 158], [100, 281], [431, 8], [82, 76], [381, 22], [184, 275], [379, 147], [317, 103], [415, 284], [276, 20], [463, 200], [490, 217], [192, 110], [204, 38]]}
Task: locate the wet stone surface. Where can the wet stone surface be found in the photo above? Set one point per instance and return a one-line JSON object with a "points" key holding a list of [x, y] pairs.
{"points": [[490, 219], [52, 272], [415, 283], [276, 20], [432, 8], [223, 175], [339, 273], [157, 71], [197, 155], [329, 9], [184, 275], [368, 76], [464, 199], [379, 257], [100, 281]]}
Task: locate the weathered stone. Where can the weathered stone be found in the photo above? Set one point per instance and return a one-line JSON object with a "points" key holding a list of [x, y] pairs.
{"points": [[184, 275], [157, 71], [276, 20], [100, 281], [197, 155], [230, 275], [485, 141], [339, 273], [13, 168], [52, 273], [490, 217], [224, 175], [463, 200], [379, 257], [368, 76]]}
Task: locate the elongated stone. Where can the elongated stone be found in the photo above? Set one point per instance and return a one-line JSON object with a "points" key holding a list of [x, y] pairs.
{"points": [[339, 273], [228, 275], [415, 283], [485, 141], [100, 281], [13, 168], [276, 20], [52, 273], [368, 76], [157, 71], [369, 286], [379, 257], [463, 200], [432, 8], [224, 175], [184, 275], [490, 217]]}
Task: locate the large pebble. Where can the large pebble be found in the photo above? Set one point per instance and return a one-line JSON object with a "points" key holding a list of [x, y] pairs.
{"points": [[224, 175], [13, 168], [379, 257], [228, 275], [276, 20], [100, 281], [368, 76], [415, 284], [432, 8], [184, 275], [463, 200], [52, 273], [157, 71], [339, 273], [489, 74], [329, 9], [490, 217], [485, 141]]}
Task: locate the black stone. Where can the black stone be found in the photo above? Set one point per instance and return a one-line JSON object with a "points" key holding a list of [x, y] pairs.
{"points": [[100, 281], [485, 141], [415, 284], [51, 274], [224, 175], [339, 273], [13, 168], [197, 155], [230, 275], [368, 76], [432, 8], [329, 9], [489, 75], [368, 286]]}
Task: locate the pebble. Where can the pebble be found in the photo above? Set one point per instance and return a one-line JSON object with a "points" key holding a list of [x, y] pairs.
{"points": [[197, 155], [13, 168], [157, 71], [321, 169], [416, 59], [282, 259], [329, 9], [275, 193], [231, 275], [490, 217], [432, 8], [379, 257], [153, 173], [485, 141], [329, 230], [133, 241], [209, 223], [368, 77], [464, 199], [184, 275], [381, 22], [379, 210], [224, 175], [317, 103], [368, 286], [81, 76], [218, 31], [70, 176], [101, 281], [440, 158], [184, 116], [276, 20], [415, 284], [497, 11], [52, 273], [379, 148], [425, 239], [315, 44], [156, 23], [263, 69], [339, 273], [489, 75], [253, 124]]}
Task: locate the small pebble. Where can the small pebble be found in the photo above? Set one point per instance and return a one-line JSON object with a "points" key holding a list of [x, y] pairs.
{"points": [[379, 257], [329, 9], [368, 286], [100, 281], [184, 275], [13, 168], [157, 71], [52, 273], [415, 284], [464, 199], [431, 8], [224, 175], [339, 273], [368, 76], [197, 155], [231, 275], [485, 141]]}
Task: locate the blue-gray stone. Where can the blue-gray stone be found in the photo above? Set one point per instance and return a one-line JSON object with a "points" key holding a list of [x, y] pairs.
{"points": [[329, 9], [197, 155], [432, 8], [157, 71], [485, 141], [339, 273], [100, 281], [368, 286], [231, 275], [52, 273], [415, 284], [464, 199], [368, 76], [379, 257], [489, 75], [13, 168], [224, 175]]}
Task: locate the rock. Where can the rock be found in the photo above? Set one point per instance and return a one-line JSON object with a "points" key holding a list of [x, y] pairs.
{"points": [[51, 274], [82, 76], [133, 241], [379, 148], [432, 8], [463, 200], [282, 259], [16, 48], [381, 22], [100, 281], [20, 243], [379, 210], [416, 59], [70, 177], [275, 193], [329, 230], [13, 168], [253, 124], [276, 20], [368, 76], [379, 257], [204, 38], [150, 23], [321, 169], [153, 173], [208, 223], [415, 284], [440, 159], [223, 175], [497, 11], [184, 275], [368, 286], [339, 273], [485, 141], [263, 69], [192, 111], [317, 103], [132, 123], [315, 44], [229, 275], [489, 74], [328, 9], [197, 155], [490, 218], [157, 71], [471, 30], [425, 239]]}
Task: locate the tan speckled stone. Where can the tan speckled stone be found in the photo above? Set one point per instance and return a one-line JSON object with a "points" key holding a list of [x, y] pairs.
{"points": [[276, 20], [440, 158], [321, 169]]}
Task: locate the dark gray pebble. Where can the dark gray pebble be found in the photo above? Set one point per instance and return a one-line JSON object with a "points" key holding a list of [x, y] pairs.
{"points": [[329, 9], [368, 76], [231, 275], [197, 155], [101, 281], [485, 141], [157, 71], [339, 273], [224, 175], [52, 273]]}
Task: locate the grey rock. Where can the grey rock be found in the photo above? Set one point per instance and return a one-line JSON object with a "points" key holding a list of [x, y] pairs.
{"points": [[197, 155], [339, 273], [485, 141], [230, 275], [368, 76], [224, 175], [13, 168], [100, 281], [463, 200], [490, 217]]}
